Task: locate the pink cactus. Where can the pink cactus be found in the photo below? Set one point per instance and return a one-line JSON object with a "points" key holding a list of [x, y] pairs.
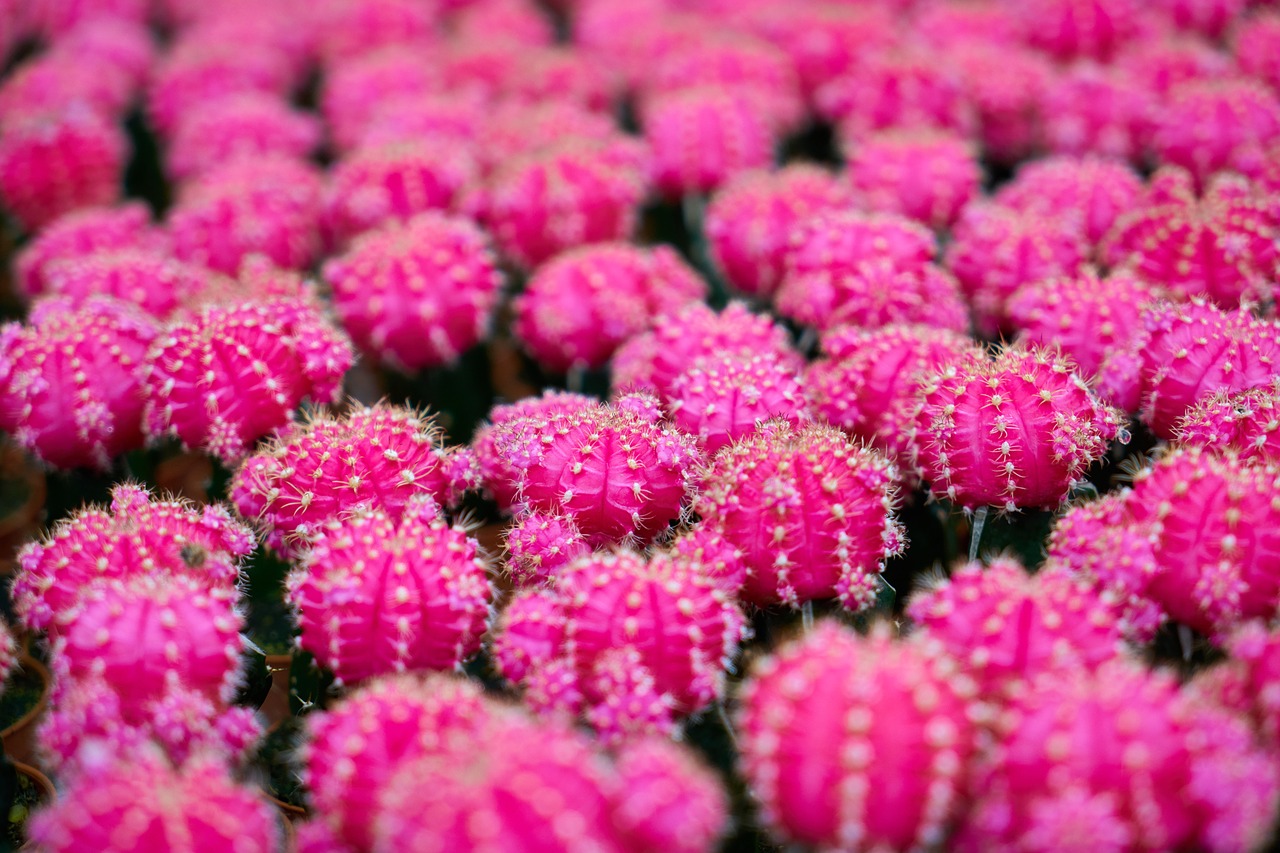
{"points": [[578, 308], [720, 400], [50, 19], [200, 71], [750, 220], [1079, 29], [1159, 65], [571, 194], [360, 744], [827, 40], [135, 536], [539, 545], [1117, 760], [667, 799], [831, 767], [83, 232], [706, 551], [896, 90], [419, 294], [1016, 431], [678, 340], [375, 596], [350, 28], [53, 164], [1191, 350], [355, 90], [1211, 126], [267, 205], [866, 381], [140, 803], [512, 129], [1257, 48], [124, 46], [925, 175], [246, 125], [1090, 191], [812, 513], [1008, 627], [57, 80], [1246, 421], [867, 270], [516, 21], [1210, 18], [498, 473], [529, 636], [701, 138], [71, 380], [1215, 532], [1222, 246], [615, 474], [1086, 317], [1248, 683], [152, 280], [1006, 84], [1095, 110], [319, 470], [237, 372], [996, 249], [423, 116], [945, 25], [563, 75]]}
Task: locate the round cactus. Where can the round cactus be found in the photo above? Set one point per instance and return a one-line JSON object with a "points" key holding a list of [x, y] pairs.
{"points": [[826, 40], [680, 339], [135, 536], [578, 192], [53, 164], [1090, 191], [505, 20], [530, 635], [1245, 422], [1008, 626], [1097, 111], [1216, 125], [812, 513], [457, 117], [197, 71], [347, 29], [158, 284], [866, 381], [925, 175], [375, 596], [80, 233], [419, 294], [1159, 65], [1006, 84], [564, 75], [71, 380], [252, 124], [896, 89], [355, 89], [1257, 46], [580, 306], [1019, 430], [1087, 317], [995, 250], [539, 544], [750, 220], [1215, 524], [1210, 18], [56, 79], [830, 768], [1117, 760], [667, 799], [615, 474], [701, 138], [236, 373], [867, 270], [139, 803], [318, 470], [720, 400], [1248, 683], [706, 551], [512, 129], [1079, 29]]}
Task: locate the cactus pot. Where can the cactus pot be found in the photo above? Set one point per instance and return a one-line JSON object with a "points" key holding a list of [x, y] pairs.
{"points": [[20, 737]]}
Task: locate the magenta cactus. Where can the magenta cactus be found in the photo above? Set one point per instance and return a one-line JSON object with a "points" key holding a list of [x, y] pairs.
{"points": [[355, 89], [150, 279], [1118, 760], [996, 249], [71, 380], [720, 400], [924, 174], [1221, 246], [347, 29], [707, 552], [1162, 64], [375, 596], [322, 468], [135, 536], [826, 41], [825, 505], [57, 79], [198, 71], [1246, 422], [1087, 317], [750, 220], [505, 20], [425, 115], [539, 545], [419, 294], [79, 233], [1210, 18], [512, 129], [52, 164], [615, 474], [1006, 84], [577, 192], [1091, 191], [1257, 46], [1016, 431], [1248, 683], [905, 88], [680, 339], [701, 138], [560, 74], [667, 799], [1215, 527], [831, 767], [1096, 110], [866, 381], [579, 307], [529, 637], [1217, 125], [252, 124], [140, 803], [1079, 29], [867, 270], [120, 44]]}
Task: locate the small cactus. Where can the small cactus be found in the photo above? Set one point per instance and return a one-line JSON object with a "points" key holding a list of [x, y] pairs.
{"points": [[1246, 422], [701, 138], [252, 124], [1211, 126], [667, 799], [158, 284], [1099, 111], [925, 175], [1080, 29], [720, 400], [83, 232], [539, 545], [1089, 191]]}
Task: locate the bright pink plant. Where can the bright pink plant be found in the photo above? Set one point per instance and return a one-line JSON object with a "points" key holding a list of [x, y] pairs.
{"points": [[666, 799], [1248, 683], [580, 306], [1006, 84], [1079, 29], [456, 117], [1019, 430], [355, 89], [812, 513], [195, 72], [56, 80], [925, 175], [417, 294], [1162, 64], [150, 279], [539, 544], [71, 380], [1090, 191], [826, 40], [511, 129], [561, 75], [83, 232], [351, 28], [1215, 125], [831, 766], [516, 21], [252, 124], [1095, 110], [896, 90], [8, 653], [120, 45], [701, 138], [1247, 422], [1210, 18], [720, 400], [1257, 48]]}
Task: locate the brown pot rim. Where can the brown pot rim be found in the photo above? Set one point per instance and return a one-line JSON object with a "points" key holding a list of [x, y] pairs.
{"points": [[27, 662], [290, 811], [41, 781]]}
